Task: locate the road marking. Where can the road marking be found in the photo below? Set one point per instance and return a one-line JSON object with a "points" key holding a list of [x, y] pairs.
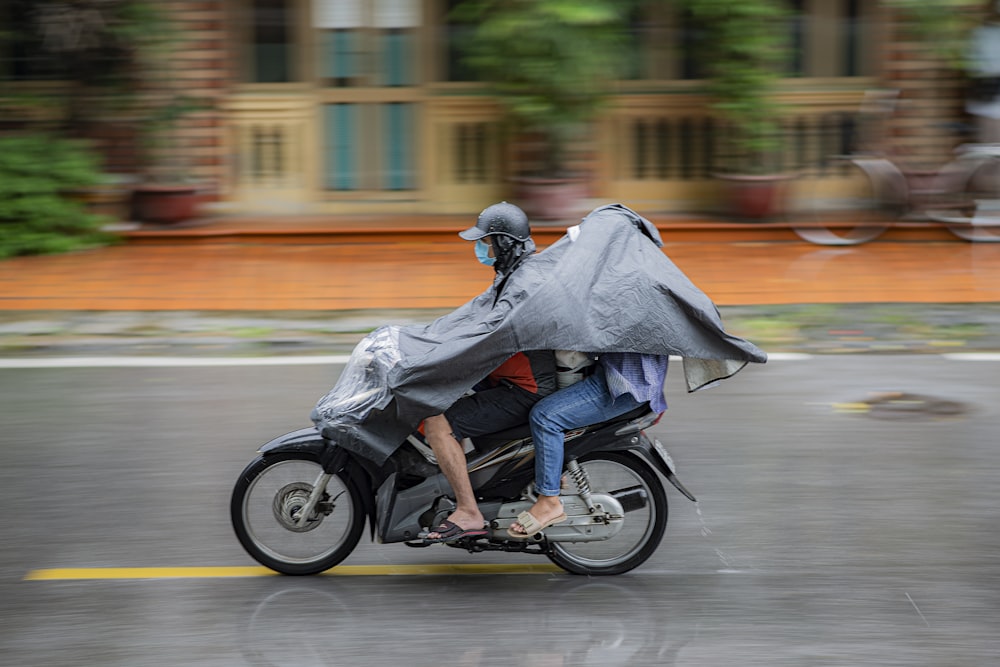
{"points": [[788, 356], [972, 356], [170, 362], [147, 573]]}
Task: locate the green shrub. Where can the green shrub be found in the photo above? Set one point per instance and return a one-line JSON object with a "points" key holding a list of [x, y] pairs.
{"points": [[37, 214], [550, 64]]}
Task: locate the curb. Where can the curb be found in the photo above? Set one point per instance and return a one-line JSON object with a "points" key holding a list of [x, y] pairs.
{"points": [[812, 329]]}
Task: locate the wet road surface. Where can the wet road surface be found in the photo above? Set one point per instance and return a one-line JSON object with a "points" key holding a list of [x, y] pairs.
{"points": [[845, 518]]}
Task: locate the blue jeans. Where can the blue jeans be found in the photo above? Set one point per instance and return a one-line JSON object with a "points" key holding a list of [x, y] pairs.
{"points": [[581, 404]]}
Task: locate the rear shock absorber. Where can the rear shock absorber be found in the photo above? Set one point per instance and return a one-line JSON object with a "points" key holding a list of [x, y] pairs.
{"points": [[582, 482]]}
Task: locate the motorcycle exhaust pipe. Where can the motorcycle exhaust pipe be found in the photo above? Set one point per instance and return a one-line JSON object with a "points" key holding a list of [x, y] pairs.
{"points": [[633, 498]]}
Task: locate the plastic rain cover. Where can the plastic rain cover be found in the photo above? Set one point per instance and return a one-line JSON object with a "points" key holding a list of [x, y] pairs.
{"points": [[604, 286]]}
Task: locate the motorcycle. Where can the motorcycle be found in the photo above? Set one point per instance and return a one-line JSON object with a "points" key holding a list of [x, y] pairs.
{"points": [[300, 507]]}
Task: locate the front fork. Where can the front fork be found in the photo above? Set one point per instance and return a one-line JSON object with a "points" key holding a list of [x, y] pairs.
{"points": [[332, 460], [319, 488]]}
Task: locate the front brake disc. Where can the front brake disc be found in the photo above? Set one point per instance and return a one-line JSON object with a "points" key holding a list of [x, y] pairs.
{"points": [[288, 504]]}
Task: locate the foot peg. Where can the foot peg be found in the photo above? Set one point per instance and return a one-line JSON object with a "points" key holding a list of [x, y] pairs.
{"points": [[418, 545]]}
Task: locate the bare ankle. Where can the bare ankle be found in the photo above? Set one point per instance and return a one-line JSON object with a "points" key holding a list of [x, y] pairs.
{"points": [[548, 504]]}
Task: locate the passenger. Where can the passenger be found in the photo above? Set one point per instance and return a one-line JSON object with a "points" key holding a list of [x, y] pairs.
{"points": [[621, 382]]}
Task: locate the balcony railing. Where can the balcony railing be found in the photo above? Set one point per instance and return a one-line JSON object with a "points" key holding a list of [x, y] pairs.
{"points": [[268, 143], [658, 151]]}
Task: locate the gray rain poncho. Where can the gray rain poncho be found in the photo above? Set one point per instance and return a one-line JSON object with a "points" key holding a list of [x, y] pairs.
{"points": [[605, 286]]}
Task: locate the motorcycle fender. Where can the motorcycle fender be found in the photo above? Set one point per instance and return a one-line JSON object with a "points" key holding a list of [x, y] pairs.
{"points": [[303, 440], [656, 455], [310, 441]]}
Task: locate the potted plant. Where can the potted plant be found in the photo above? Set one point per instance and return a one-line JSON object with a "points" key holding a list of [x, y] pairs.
{"points": [[92, 52], [744, 53], [550, 65], [110, 62], [165, 195]]}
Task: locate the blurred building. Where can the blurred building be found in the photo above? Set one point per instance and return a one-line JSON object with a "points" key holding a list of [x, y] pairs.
{"points": [[362, 106]]}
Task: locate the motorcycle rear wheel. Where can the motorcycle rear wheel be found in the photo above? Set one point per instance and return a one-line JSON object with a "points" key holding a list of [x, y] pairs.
{"points": [[264, 505], [643, 529]]}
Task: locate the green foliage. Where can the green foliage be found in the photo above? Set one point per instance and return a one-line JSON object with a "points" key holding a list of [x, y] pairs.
{"points": [[550, 64], [114, 62], [944, 25], [36, 214], [102, 52], [744, 48]]}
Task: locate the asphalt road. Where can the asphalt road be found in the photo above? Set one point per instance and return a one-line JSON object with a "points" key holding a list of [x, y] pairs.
{"points": [[847, 516]]}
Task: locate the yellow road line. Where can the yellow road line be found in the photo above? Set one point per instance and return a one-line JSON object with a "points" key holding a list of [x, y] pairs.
{"points": [[93, 573]]}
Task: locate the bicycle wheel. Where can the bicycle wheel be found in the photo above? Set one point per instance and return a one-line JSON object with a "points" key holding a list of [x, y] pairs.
{"points": [[973, 214], [856, 203]]}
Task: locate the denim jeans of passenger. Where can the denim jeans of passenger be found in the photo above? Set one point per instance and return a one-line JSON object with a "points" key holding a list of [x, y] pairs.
{"points": [[581, 404]]}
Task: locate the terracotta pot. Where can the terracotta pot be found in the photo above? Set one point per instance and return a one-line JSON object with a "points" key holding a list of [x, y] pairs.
{"points": [[549, 199], [755, 197], [165, 204]]}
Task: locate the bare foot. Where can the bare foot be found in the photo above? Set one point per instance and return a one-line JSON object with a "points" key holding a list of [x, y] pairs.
{"points": [[464, 520], [545, 509]]}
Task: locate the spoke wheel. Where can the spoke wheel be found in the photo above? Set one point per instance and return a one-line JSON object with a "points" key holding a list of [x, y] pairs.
{"points": [[267, 502], [853, 206], [643, 528], [976, 217]]}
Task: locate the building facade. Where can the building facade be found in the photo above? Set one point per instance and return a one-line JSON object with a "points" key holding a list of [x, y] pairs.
{"points": [[363, 106]]}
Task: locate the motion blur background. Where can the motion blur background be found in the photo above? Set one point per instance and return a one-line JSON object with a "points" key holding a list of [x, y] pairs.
{"points": [[397, 107], [317, 158]]}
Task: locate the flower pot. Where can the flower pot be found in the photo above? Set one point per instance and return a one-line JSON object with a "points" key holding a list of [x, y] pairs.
{"points": [[755, 197], [165, 204], [549, 199]]}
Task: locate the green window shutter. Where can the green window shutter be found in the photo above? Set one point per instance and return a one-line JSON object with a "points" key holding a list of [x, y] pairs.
{"points": [[341, 124], [397, 57], [339, 55], [398, 166]]}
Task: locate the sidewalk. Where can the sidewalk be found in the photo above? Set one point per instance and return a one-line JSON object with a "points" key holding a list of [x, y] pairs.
{"points": [[207, 292]]}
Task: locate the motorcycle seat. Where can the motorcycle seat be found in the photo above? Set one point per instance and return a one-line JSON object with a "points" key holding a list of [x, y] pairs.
{"points": [[485, 442]]}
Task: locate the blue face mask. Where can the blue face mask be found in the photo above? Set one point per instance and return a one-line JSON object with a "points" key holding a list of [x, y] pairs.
{"points": [[483, 253]]}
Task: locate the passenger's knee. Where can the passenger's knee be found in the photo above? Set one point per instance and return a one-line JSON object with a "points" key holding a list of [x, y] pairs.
{"points": [[541, 419]]}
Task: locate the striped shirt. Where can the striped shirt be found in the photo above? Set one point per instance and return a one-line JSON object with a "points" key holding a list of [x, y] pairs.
{"points": [[641, 375]]}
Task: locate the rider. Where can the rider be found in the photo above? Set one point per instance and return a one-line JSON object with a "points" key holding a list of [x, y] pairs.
{"points": [[503, 241]]}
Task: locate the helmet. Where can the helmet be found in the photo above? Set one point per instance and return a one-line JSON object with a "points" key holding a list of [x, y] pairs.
{"points": [[501, 219]]}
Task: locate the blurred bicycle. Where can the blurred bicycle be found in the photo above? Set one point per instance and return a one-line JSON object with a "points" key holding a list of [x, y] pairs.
{"points": [[874, 190]]}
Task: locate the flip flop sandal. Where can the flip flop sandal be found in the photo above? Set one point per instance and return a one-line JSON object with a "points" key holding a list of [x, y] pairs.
{"points": [[449, 531], [532, 526]]}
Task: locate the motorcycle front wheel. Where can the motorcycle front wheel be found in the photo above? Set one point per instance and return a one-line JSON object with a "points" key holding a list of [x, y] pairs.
{"points": [[266, 507], [611, 472]]}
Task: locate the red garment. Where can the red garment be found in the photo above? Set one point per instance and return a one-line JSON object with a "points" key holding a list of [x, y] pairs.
{"points": [[531, 371], [534, 372]]}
